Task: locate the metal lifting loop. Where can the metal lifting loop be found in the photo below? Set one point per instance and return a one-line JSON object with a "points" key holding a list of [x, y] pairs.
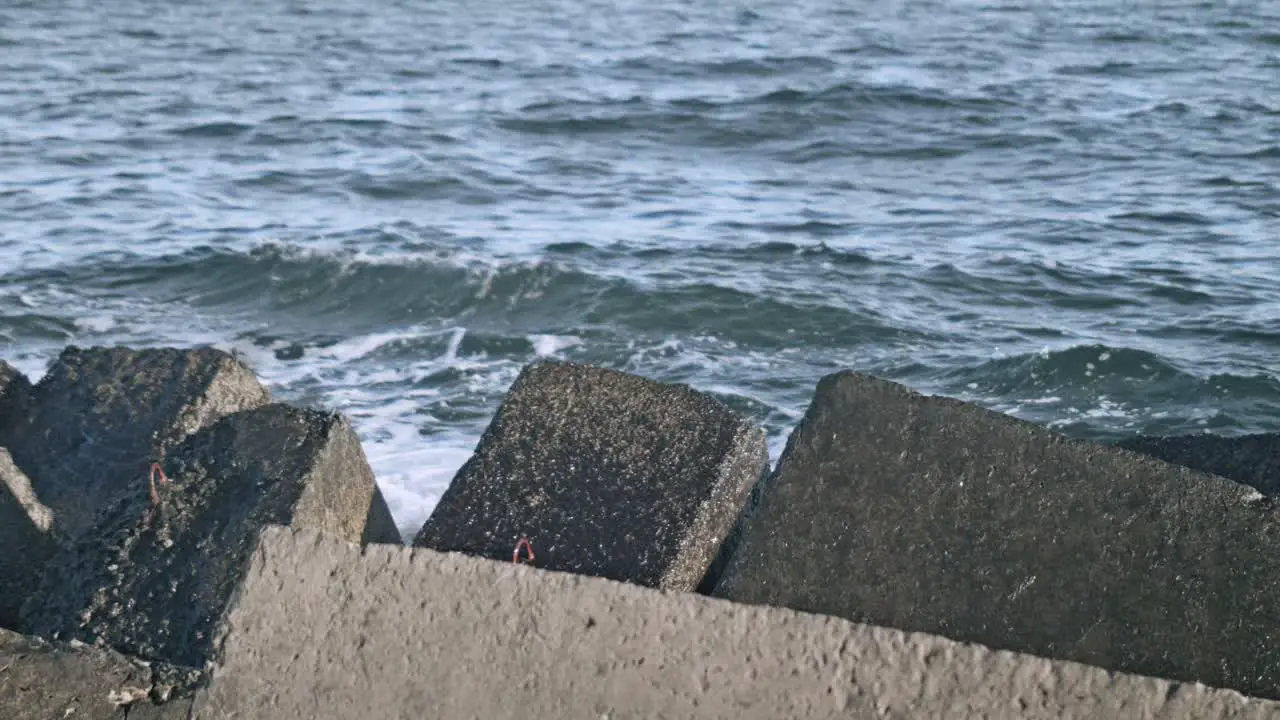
{"points": [[156, 470], [523, 542]]}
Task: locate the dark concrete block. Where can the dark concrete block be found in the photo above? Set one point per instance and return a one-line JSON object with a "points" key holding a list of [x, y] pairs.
{"points": [[608, 474], [152, 581], [1252, 460], [928, 514], [41, 680], [9, 375], [26, 539], [100, 416], [15, 393]]}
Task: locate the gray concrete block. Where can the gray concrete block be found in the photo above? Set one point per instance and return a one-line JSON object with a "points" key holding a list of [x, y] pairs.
{"points": [[41, 680], [152, 581], [100, 416], [26, 539], [1252, 460], [928, 514], [608, 474], [324, 630], [15, 393], [9, 375]]}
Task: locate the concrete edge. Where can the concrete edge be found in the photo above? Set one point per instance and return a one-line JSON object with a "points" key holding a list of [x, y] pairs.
{"points": [[755, 661], [710, 529]]}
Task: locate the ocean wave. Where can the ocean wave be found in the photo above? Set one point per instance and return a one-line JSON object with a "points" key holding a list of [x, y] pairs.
{"points": [[827, 149], [1013, 282], [754, 118], [765, 66], [315, 289], [415, 185], [1171, 217], [1080, 366], [576, 118], [215, 129], [743, 200], [757, 254], [862, 95], [816, 228], [1105, 392]]}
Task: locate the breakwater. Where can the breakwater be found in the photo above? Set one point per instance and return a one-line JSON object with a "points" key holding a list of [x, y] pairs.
{"points": [[192, 547]]}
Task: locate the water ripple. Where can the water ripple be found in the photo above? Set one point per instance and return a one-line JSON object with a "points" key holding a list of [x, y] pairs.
{"points": [[390, 211]]}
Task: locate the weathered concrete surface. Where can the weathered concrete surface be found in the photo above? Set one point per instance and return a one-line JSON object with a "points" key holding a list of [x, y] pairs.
{"points": [[11, 376], [928, 514], [608, 474], [322, 630], [40, 680], [100, 416], [153, 581], [26, 539], [15, 392], [1252, 460]]}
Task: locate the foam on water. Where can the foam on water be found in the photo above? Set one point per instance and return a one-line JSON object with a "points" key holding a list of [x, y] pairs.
{"points": [[412, 452], [548, 346]]}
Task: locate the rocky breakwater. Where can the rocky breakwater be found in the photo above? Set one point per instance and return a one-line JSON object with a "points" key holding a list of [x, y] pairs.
{"points": [[232, 557], [139, 482]]}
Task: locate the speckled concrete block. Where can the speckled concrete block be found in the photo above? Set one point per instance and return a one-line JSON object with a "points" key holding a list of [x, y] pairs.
{"points": [[26, 539], [152, 580], [100, 416], [1252, 460], [608, 474], [15, 393], [928, 514]]}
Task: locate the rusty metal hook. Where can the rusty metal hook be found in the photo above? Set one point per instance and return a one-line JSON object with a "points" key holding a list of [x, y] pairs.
{"points": [[523, 542], [151, 481]]}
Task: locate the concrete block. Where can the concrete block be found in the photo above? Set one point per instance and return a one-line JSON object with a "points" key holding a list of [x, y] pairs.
{"points": [[41, 680], [100, 416], [153, 580], [324, 630], [928, 514], [26, 539], [1252, 460], [608, 474], [15, 392]]}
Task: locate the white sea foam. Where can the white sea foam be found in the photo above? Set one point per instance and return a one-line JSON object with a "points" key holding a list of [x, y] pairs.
{"points": [[95, 323], [552, 345], [901, 76], [414, 454]]}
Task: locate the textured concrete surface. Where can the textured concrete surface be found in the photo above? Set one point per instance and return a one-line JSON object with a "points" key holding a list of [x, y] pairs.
{"points": [[40, 680], [152, 581], [26, 539], [100, 416], [1253, 460], [322, 630], [928, 514], [15, 393], [608, 474]]}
